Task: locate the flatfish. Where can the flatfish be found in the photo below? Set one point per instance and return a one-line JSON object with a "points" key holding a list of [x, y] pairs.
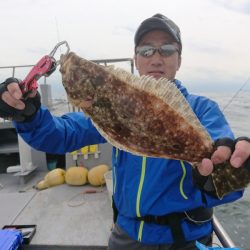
{"points": [[144, 116]]}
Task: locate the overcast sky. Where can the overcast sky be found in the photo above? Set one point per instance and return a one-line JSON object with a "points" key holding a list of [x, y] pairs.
{"points": [[215, 34]]}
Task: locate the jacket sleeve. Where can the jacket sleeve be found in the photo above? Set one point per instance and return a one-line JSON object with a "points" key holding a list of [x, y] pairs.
{"points": [[59, 135], [214, 121]]}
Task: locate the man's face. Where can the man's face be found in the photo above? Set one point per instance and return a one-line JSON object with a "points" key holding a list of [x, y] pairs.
{"points": [[157, 65]]}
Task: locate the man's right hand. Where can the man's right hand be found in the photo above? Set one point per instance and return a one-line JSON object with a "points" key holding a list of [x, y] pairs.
{"points": [[12, 106]]}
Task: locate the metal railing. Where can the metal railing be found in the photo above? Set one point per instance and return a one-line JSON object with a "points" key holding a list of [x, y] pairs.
{"points": [[104, 62], [221, 234]]}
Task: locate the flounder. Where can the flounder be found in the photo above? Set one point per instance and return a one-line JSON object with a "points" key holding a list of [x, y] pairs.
{"points": [[144, 116]]}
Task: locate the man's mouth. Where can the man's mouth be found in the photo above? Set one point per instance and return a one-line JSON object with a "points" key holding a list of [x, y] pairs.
{"points": [[156, 74]]}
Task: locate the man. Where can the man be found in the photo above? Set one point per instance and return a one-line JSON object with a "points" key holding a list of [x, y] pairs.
{"points": [[156, 203]]}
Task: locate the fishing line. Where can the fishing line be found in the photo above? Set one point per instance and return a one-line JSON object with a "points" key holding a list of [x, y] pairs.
{"points": [[58, 34], [237, 92]]}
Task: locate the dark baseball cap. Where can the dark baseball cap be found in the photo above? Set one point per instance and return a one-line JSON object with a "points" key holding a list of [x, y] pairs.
{"points": [[158, 22]]}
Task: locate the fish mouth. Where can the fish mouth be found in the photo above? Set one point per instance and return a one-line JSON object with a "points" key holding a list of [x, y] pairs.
{"points": [[88, 98], [87, 102]]}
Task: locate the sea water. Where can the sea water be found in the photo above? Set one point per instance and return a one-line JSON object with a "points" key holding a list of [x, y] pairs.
{"points": [[235, 217]]}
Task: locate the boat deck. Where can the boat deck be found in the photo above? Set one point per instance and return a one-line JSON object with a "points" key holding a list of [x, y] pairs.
{"points": [[65, 217]]}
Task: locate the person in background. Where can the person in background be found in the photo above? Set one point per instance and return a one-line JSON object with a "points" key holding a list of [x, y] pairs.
{"points": [[157, 202]]}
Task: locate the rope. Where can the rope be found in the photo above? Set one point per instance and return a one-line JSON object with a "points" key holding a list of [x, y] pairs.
{"points": [[88, 191]]}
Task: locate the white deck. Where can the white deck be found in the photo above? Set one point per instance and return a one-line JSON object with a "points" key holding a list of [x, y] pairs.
{"points": [[59, 225]]}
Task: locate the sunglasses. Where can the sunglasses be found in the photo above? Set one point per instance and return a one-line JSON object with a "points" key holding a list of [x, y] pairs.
{"points": [[164, 50]]}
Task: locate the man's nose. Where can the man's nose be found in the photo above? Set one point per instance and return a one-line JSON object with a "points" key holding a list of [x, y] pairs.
{"points": [[157, 58]]}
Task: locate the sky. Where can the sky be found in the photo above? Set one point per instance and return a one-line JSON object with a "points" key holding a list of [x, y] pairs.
{"points": [[215, 35]]}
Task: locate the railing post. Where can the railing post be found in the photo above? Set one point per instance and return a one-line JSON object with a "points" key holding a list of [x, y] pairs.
{"points": [[222, 235], [13, 71], [132, 66]]}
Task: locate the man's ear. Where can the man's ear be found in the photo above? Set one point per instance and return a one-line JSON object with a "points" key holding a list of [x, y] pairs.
{"points": [[179, 62]]}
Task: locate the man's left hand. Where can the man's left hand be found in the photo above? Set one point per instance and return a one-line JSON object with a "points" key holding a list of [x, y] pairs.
{"points": [[223, 153]]}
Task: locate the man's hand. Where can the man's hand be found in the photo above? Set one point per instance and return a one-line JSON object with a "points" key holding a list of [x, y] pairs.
{"points": [[12, 106], [237, 158], [241, 153]]}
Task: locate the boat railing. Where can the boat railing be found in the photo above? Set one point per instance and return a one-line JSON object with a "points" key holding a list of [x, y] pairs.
{"points": [[104, 62], [222, 235]]}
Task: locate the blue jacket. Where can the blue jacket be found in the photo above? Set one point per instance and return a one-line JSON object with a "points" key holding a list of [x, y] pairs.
{"points": [[142, 185]]}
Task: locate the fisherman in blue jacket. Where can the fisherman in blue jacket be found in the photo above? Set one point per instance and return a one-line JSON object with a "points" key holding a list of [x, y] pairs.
{"points": [[158, 203]]}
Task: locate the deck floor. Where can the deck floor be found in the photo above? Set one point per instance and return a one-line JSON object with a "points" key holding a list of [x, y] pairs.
{"points": [[65, 217]]}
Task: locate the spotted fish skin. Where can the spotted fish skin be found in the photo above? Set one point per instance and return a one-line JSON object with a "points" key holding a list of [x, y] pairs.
{"points": [[141, 119], [133, 120]]}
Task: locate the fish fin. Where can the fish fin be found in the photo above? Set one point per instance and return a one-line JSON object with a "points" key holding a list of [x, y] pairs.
{"points": [[167, 91]]}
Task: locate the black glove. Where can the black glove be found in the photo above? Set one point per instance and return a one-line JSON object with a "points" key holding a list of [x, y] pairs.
{"points": [[204, 183], [242, 138], [31, 105]]}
